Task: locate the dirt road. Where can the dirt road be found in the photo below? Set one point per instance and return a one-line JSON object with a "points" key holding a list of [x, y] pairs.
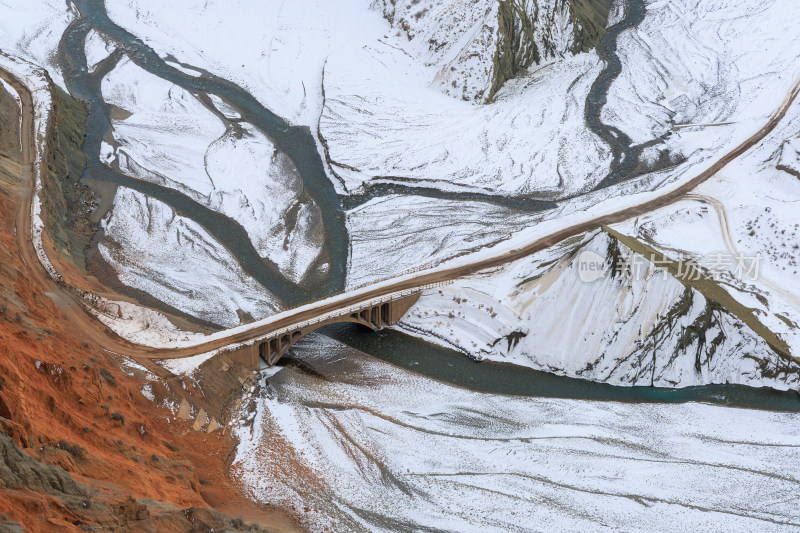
{"points": [[110, 341]]}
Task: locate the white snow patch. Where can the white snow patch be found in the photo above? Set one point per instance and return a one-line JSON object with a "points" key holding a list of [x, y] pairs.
{"points": [[360, 447], [32, 29], [97, 49], [177, 261], [274, 50]]}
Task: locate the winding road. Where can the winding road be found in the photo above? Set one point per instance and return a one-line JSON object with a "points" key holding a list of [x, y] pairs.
{"points": [[98, 333]]}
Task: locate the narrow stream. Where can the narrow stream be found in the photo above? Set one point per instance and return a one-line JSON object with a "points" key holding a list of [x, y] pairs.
{"points": [[625, 154], [377, 190], [297, 142]]}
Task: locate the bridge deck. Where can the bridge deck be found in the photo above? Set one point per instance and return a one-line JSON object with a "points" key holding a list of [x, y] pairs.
{"points": [[374, 313]]}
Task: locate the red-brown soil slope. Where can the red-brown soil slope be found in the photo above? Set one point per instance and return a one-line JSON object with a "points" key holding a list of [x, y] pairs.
{"points": [[80, 447]]}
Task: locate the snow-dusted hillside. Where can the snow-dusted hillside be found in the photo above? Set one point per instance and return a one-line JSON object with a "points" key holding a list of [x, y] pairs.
{"points": [[366, 446], [471, 48], [641, 329], [379, 125], [165, 135], [438, 131], [686, 63], [141, 235], [748, 210], [275, 50], [32, 30], [539, 313], [401, 109], [708, 62]]}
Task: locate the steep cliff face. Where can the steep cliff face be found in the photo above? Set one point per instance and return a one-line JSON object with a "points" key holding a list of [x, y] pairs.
{"points": [[530, 31], [9, 125], [455, 37], [81, 449], [478, 46], [67, 202]]}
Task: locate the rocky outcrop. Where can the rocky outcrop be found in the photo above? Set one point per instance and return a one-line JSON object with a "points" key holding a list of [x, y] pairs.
{"points": [[66, 202], [9, 125], [19, 471], [477, 46], [81, 448], [27, 477], [646, 320], [789, 158], [530, 31]]}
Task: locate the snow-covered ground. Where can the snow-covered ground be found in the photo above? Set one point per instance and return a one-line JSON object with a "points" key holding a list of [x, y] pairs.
{"points": [[393, 234], [402, 108], [97, 49], [382, 121], [275, 50], [372, 447], [33, 29], [748, 210], [146, 152], [450, 37], [624, 334], [688, 63], [643, 329], [142, 235], [163, 134], [162, 130], [362, 445]]}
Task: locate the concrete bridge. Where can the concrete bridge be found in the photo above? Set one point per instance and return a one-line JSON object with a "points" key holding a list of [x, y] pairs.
{"points": [[374, 313]]}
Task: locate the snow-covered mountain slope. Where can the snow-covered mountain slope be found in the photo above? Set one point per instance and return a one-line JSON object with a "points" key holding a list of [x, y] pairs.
{"points": [[454, 38], [646, 328], [387, 117], [706, 62], [33, 30], [749, 211], [173, 259], [539, 313], [163, 134], [473, 47], [381, 122], [685, 63], [367, 446], [273, 49]]}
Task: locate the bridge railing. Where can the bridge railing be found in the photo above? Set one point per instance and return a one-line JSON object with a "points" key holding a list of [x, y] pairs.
{"points": [[406, 272]]}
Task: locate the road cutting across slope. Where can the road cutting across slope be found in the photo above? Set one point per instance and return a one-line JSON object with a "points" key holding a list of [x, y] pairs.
{"points": [[452, 270]]}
